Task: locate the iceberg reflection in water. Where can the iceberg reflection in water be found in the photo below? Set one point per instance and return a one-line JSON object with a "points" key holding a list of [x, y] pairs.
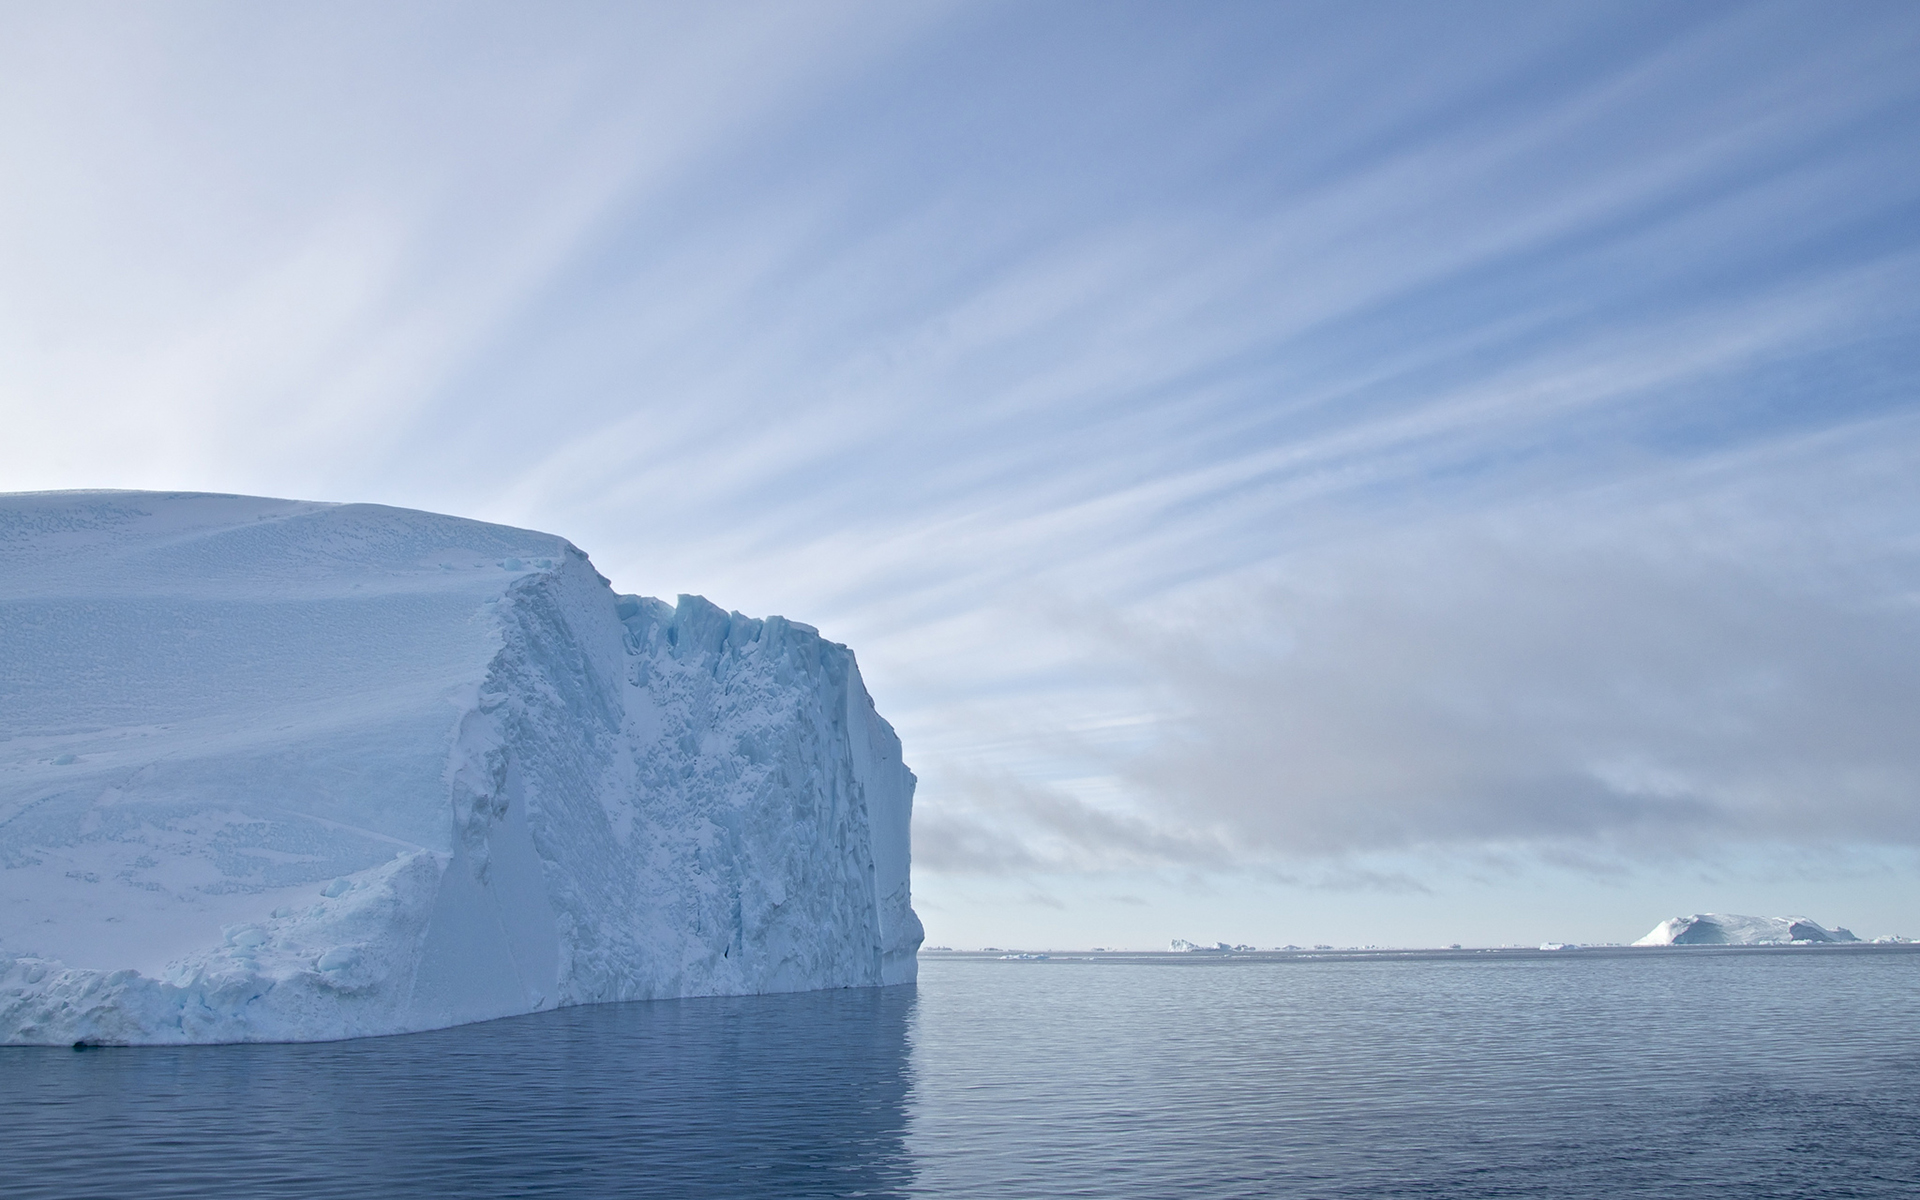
{"points": [[787, 1095], [1719, 1072]]}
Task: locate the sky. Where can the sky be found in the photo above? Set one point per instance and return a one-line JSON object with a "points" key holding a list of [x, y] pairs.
{"points": [[1293, 473]]}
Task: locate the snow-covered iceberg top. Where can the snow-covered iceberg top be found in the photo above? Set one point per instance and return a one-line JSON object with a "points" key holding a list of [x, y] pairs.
{"points": [[1726, 929], [273, 770]]}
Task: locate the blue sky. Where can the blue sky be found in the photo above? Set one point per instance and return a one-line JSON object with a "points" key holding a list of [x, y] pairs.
{"points": [[1293, 473]]}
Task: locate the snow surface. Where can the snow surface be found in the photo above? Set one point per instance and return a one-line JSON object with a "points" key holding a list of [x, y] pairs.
{"points": [[284, 771], [1726, 929]]}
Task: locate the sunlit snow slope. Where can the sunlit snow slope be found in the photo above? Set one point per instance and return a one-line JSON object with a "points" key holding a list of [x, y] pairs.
{"points": [[273, 770]]}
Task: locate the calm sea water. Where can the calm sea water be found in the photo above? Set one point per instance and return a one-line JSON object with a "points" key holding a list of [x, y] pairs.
{"points": [[1715, 1073]]}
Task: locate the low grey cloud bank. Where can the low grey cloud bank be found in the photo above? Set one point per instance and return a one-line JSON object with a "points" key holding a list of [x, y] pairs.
{"points": [[1472, 692], [1630, 675]]}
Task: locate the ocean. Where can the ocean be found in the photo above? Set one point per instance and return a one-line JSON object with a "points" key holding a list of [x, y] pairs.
{"points": [[1701, 1072]]}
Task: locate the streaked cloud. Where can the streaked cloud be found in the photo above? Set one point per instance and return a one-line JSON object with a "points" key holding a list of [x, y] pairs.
{"points": [[1244, 438]]}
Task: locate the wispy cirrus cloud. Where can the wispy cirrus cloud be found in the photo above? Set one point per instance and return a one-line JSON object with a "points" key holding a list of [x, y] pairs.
{"points": [[1243, 435]]}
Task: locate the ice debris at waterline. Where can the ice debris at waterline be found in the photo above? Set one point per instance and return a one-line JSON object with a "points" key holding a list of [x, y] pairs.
{"points": [[1726, 929], [284, 771]]}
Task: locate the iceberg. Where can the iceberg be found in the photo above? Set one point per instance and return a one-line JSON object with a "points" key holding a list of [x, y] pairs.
{"points": [[1725, 929], [1183, 946], [273, 770]]}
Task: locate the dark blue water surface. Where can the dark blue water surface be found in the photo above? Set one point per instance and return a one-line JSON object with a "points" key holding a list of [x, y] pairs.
{"points": [[1721, 1073]]}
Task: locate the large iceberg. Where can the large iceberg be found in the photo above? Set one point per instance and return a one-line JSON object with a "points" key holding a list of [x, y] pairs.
{"points": [[1727, 929], [275, 771]]}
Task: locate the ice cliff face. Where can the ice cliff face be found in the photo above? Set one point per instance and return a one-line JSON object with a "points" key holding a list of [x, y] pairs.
{"points": [[1726, 929], [283, 771]]}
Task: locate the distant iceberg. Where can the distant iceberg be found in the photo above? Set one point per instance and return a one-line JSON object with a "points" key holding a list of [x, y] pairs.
{"points": [[1726, 929], [283, 771]]}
